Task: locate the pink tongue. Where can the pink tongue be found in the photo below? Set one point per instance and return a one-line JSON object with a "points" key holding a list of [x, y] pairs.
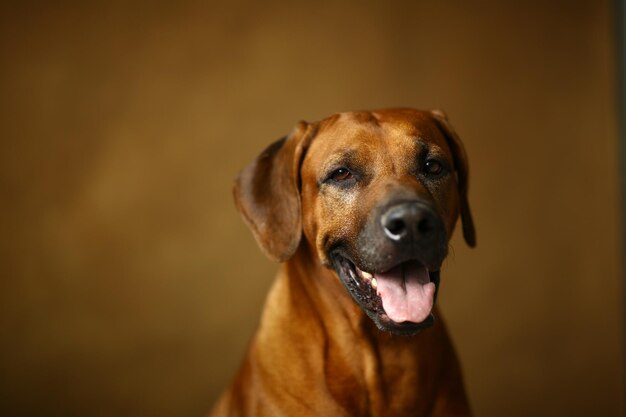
{"points": [[407, 292]]}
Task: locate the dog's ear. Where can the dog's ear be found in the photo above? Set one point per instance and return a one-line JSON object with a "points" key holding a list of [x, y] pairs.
{"points": [[268, 196], [461, 165]]}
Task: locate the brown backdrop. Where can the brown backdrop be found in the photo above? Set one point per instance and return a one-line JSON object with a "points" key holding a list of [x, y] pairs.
{"points": [[129, 285]]}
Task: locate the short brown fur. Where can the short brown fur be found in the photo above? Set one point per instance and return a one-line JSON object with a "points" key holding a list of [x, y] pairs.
{"points": [[316, 353]]}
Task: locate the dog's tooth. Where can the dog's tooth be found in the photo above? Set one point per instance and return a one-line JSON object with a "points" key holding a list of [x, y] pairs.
{"points": [[374, 283], [366, 275]]}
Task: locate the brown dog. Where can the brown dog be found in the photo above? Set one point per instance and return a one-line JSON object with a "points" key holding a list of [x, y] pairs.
{"points": [[359, 207]]}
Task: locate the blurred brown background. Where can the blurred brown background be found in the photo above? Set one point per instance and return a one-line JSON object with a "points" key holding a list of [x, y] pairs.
{"points": [[129, 284]]}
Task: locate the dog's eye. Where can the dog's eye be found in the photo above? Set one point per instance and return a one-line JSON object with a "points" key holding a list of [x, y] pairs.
{"points": [[341, 174], [433, 167]]}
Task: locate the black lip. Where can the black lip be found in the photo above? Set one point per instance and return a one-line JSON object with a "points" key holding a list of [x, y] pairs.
{"points": [[370, 302]]}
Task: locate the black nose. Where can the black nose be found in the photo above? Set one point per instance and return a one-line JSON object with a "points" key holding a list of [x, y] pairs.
{"points": [[412, 221]]}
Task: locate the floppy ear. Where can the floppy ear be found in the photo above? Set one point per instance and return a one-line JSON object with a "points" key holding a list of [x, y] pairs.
{"points": [[268, 196], [461, 165]]}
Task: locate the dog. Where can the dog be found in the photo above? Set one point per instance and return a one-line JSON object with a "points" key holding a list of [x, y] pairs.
{"points": [[359, 209]]}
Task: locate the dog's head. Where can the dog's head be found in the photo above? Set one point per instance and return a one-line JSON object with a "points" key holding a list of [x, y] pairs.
{"points": [[376, 196]]}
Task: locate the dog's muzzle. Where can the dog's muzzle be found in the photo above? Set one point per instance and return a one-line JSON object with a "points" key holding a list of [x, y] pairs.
{"points": [[393, 271]]}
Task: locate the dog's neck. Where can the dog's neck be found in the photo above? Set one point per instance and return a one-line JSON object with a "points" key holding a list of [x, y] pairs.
{"points": [[358, 362]]}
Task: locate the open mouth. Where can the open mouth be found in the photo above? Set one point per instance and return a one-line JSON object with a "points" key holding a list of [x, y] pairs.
{"points": [[400, 299]]}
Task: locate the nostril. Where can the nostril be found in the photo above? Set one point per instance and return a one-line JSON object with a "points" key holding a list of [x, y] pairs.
{"points": [[395, 226], [424, 226]]}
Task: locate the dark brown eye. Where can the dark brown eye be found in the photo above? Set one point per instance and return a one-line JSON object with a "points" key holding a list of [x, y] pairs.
{"points": [[342, 174], [433, 167]]}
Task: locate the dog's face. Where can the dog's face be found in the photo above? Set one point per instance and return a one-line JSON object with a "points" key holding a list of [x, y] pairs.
{"points": [[376, 196]]}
